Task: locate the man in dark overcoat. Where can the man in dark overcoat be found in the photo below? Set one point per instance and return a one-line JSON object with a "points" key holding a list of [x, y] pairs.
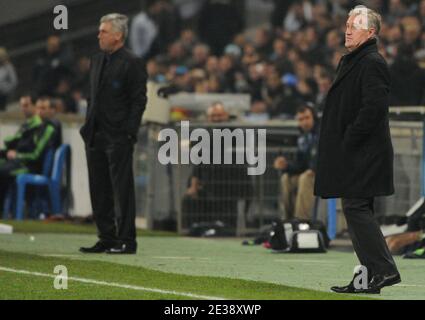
{"points": [[355, 153]]}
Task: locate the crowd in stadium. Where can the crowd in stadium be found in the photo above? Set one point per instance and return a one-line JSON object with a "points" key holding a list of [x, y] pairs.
{"points": [[203, 46], [293, 60]]}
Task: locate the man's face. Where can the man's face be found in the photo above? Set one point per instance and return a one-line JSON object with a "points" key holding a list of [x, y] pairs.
{"points": [[27, 108], [53, 44], [217, 113], [356, 32], [305, 120], [43, 109], [108, 38]]}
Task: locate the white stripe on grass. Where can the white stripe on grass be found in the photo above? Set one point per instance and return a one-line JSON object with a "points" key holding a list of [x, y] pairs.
{"points": [[113, 284], [182, 258], [307, 261]]}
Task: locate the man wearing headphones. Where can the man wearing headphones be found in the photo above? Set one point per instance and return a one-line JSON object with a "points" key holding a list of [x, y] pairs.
{"points": [[297, 182]]}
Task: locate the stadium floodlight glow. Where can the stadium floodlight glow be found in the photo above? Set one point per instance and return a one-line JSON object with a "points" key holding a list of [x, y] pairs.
{"points": [[222, 140]]}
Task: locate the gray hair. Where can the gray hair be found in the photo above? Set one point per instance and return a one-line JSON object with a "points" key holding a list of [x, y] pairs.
{"points": [[119, 23], [373, 19]]}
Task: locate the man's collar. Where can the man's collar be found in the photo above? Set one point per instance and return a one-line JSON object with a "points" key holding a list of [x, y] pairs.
{"points": [[369, 43], [115, 53], [34, 121]]}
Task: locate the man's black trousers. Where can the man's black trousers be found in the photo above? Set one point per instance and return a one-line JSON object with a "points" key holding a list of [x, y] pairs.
{"points": [[368, 241], [111, 180]]}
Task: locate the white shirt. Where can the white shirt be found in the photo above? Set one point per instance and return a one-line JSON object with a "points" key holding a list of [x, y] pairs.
{"points": [[8, 79]]}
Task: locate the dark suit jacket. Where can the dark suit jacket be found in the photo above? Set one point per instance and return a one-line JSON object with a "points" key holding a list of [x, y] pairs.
{"points": [[355, 153], [117, 99]]}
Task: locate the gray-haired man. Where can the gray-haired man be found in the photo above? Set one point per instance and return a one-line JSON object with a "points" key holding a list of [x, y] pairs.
{"points": [[115, 108], [355, 154]]}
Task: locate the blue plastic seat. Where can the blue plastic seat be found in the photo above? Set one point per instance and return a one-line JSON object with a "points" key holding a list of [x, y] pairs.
{"points": [[50, 178], [332, 216]]}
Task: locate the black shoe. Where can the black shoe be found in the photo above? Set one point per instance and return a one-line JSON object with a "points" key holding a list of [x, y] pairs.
{"points": [[350, 288], [344, 289], [123, 248], [99, 247], [379, 281]]}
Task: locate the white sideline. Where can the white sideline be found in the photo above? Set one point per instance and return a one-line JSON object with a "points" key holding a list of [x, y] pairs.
{"points": [[113, 284]]}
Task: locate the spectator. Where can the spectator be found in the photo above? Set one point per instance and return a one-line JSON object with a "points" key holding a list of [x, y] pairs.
{"points": [[408, 79], [153, 70], [24, 151], [397, 10], [333, 40], [298, 16], [255, 81], [167, 21], [188, 11], [182, 80], [297, 182], [273, 95], [212, 67], [279, 12], [177, 54], [215, 17], [81, 82], [200, 55], [250, 55], [8, 78], [309, 34], [46, 109], [281, 100], [227, 69], [143, 32], [263, 42], [54, 64], [324, 83], [421, 13], [63, 92], [189, 39]]}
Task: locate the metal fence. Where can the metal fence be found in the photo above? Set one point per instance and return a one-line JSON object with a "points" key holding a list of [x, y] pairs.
{"points": [[246, 203]]}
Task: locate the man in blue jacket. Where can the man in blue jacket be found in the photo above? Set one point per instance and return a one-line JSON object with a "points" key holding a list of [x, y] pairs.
{"points": [[298, 179]]}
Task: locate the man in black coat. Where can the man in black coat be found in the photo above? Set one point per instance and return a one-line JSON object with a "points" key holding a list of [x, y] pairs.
{"points": [[355, 154], [116, 105]]}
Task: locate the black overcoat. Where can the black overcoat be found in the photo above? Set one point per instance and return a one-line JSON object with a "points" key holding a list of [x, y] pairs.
{"points": [[355, 153]]}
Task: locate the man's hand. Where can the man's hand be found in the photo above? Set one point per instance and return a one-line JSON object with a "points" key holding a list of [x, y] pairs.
{"points": [[280, 163], [11, 154], [309, 172], [195, 186]]}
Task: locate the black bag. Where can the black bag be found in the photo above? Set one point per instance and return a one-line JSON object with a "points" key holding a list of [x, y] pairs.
{"points": [[298, 236], [277, 237], [307, 241]]}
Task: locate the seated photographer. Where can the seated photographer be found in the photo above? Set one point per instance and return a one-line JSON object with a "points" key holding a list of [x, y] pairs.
{"points": [[214, 189], [297, 180]]}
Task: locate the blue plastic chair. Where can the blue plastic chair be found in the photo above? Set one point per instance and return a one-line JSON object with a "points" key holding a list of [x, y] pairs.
{"points": [[51, 181], [8, 205], [332, 216]]}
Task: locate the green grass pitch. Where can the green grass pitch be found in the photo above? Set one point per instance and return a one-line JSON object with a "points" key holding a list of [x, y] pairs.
{"points": [[171, 267]]}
